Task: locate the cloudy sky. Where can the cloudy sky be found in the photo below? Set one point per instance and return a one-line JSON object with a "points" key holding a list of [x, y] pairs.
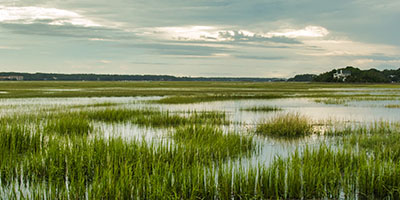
{"points": [[252, 38]]}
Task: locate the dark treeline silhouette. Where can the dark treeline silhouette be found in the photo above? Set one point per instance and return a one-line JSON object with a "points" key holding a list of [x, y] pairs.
{"points": [[354, 75], [115, 77], [351, 74], [302, 78]]}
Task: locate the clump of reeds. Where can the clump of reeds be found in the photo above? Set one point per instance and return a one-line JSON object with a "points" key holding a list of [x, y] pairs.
{"points": [[18, 138], [68, 125], [213, 142], [262, 109], [286, 125]]}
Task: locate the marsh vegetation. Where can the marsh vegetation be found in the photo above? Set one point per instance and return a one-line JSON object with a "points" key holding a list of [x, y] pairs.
{"points": [[288, 125], [262, 109], [218, 141]]}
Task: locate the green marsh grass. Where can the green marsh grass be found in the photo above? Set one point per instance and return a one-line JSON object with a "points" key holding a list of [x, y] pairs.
{"points": [[76, 166], [379, 139], [115, 168], [209, 98], [315, 173], [392, 106], [189, 92], [286, 125], [68, 125], [165, 119], [199, 161], [143, 116], [374, 128], [153, 118], [95, 105], [344, 100], [83, 165], [116, 115], [262, 109], [213, 141], [332, 101]]}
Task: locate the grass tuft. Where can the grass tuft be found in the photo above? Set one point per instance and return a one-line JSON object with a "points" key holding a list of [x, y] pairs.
{"points": [[213, 142], [68, 125], [286, 125]]}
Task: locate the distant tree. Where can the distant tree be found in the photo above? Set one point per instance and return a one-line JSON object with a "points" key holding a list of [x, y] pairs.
{"points": [[116, 77], [361, 76], [302, 78]]}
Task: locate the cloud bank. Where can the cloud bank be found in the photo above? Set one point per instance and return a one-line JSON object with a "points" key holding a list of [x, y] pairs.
{"points": [[51, 16], [244, 38]]}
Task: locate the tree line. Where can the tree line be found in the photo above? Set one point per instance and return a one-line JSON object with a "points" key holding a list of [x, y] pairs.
{"points": [[353, 75], [116, 77]]}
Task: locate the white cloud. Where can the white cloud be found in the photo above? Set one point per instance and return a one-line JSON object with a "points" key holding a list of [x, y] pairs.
{"points": [[203, 33], [309, 31], [213, 55], [52, 16], [212, 33]]}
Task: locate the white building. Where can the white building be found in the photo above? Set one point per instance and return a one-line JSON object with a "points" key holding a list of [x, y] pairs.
{"points": [[341, 75]]}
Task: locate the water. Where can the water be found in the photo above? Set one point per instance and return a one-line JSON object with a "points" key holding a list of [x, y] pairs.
{"points": [[130, 131], [360, 111]]}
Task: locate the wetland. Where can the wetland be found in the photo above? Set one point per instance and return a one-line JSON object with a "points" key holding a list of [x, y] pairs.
{"points": [[199, 140]]}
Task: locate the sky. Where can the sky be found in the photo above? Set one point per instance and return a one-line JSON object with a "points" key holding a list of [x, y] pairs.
{"points": [[220, 38]]}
